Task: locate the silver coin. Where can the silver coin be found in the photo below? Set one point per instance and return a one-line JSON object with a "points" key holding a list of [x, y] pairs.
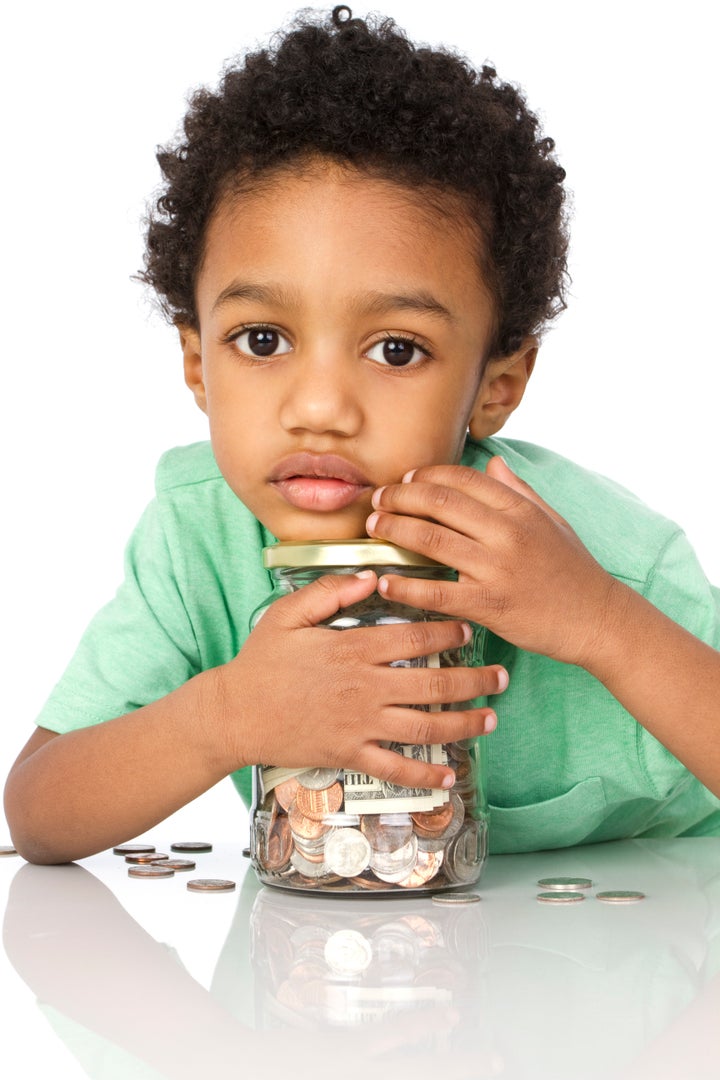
{"points": [[191, 846], [456, 898], [464, 854], [150, 871], [210, 885], [307, 868], [178, 864], [132, 849], [318, 779], [395, 865], [559, 897], [347, 852], [572, 884], [620, 896], [348, 952]]}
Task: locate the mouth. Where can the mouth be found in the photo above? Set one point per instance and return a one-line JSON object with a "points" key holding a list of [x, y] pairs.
{"points": [[319, 482]]}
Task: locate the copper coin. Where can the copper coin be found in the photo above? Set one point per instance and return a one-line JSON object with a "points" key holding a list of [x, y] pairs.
{"points": [[279, 845], [191, 846], [210, 885], [304, 826], [159, 871], [146, 857], [132, 849], [285, 792], [7, 849], [316, 804], [427, 865], [433, 822], [178, 864]]}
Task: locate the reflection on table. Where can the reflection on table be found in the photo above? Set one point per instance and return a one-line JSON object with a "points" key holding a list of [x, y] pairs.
{"points": [[333, 987]]}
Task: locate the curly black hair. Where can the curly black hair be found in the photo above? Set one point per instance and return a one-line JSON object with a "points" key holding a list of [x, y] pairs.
{"points": [[360, 93]]}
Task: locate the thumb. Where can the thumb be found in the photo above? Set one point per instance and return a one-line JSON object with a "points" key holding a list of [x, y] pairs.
{"points": [[498, 469], [321, 599]]}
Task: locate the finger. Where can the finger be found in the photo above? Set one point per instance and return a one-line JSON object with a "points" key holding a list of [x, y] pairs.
{"points": [[442, 686], [498, 469], [384, 644], [474, 599], [418, 727], [322, 599]]}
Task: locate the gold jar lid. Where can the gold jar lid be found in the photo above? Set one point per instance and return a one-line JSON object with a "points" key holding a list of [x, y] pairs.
{"points": [[301, 553]]}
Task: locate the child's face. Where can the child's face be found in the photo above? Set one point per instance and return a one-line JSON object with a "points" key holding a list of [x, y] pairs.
{"points": [[343, 324]]}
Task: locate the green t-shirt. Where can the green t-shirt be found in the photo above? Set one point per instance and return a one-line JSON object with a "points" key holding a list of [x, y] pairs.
{"points": [[566, 765]]}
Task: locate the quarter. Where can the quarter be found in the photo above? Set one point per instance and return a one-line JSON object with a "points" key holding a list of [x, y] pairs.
{"points": [[620, 896], [560, 897], [456, 898], [572, 884]]}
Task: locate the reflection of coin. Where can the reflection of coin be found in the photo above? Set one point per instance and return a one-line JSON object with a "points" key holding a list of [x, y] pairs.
{"points": [[620, 896], [7, 849], [191, 845], [348, 952], [559, 897], [571, 884], [316, 804], [347, 852], [132, 849], [455, 898], [178, 864], [318, 779], [146, 857], [151, 871], [210, 885]]}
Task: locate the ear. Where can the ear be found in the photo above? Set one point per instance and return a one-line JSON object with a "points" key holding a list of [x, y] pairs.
{"points": [[501, 389], [192, 364]]}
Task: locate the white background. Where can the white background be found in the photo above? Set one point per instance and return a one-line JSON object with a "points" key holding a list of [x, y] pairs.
{"points": [[92, 385]]}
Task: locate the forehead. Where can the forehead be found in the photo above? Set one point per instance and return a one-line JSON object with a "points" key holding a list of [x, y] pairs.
{"points": [[365, 226]]}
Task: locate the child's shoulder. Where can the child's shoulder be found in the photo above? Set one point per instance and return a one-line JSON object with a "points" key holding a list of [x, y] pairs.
{"points": [[624, 534], [184, 466]]}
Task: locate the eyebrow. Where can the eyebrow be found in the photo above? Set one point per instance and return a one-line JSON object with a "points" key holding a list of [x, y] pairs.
{"points": [[371, 303]]}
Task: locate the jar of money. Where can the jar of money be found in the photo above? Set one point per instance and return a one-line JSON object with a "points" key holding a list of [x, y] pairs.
{"points": [[340, 831]]}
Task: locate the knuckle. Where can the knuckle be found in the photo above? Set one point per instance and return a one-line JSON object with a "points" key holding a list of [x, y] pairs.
{"points": [[422, 729], [414, 638]]}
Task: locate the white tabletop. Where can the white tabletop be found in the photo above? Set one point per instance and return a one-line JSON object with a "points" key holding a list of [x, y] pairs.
{"points": [[108, 976]]}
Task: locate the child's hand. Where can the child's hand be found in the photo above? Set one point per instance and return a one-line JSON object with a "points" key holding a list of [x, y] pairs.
{"points": [[523, 572], [301, 695]]}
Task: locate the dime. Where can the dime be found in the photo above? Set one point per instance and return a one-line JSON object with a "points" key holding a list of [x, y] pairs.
{"points": [[620, 896], [7, 849], [316, 804], [132, 849], [177, 864], [347, 852], [455, 898], [159, 871], [146, 857], [571, 884], [210, 885], [560, 897], [318, 779], [191, 846]]}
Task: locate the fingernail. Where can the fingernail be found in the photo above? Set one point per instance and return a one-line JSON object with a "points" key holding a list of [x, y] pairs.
{"points": [[448, 781], [490, 723], [408, 476], [467, 632], [365, 573], [371, 522], [503, 680], [376, 496]]}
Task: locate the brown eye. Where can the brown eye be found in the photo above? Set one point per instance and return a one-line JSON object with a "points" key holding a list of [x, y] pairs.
{"points": [[397, 352], [262, 341]]}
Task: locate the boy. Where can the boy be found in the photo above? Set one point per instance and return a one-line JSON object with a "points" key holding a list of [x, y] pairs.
{"points": [[360, 243]]}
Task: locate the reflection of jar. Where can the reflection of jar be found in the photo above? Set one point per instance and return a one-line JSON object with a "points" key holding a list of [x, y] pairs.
{"points": [[340, 831]]}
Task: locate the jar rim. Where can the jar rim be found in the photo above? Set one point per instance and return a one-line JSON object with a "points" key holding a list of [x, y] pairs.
{"points": [[361, 552]]}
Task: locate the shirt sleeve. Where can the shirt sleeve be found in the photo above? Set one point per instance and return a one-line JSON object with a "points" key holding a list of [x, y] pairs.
{"points": [[137, 649]]}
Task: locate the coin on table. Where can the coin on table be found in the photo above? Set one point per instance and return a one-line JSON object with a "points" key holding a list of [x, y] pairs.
{"points": [[191, 846], [210, 885], [456, 898], [177, 864], [560, 897], [151, 871], [620, 896], [143, 857], [7, 849], [571, 884], [132, 849]]}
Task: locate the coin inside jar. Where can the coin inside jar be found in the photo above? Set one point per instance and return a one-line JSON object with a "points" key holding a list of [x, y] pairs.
{"points": [[347, 852]]}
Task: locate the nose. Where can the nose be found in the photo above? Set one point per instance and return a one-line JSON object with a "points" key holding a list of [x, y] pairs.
{"points": [[322, 395]]}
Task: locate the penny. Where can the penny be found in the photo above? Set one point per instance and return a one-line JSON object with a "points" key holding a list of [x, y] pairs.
{"points": [[279, 845], [433, 822], [146, 857], [427, 865], [151, 871], [210, 885], [177, 864], [316, 804], [559, 897], [620, 896], [191, 846], [455, 898], [132, 849], [572, 884], [285, 792], [7, 849], [347, 852], [304, 826]]}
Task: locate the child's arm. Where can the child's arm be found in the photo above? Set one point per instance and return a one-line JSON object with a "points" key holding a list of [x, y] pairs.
{"points": [[526, 576], [295, 695]]}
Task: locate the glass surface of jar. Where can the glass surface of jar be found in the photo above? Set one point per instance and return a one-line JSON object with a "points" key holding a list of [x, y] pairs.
{"points": [[341, 831]]}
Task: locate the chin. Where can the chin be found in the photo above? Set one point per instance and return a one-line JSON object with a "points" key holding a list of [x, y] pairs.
{"points": [[323, 528]]}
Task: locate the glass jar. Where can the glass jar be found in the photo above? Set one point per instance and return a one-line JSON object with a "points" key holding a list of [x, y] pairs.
{"points": [[340, 831]]}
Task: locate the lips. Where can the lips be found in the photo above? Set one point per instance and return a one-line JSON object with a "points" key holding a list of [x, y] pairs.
{"points": [[320, 482]]}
